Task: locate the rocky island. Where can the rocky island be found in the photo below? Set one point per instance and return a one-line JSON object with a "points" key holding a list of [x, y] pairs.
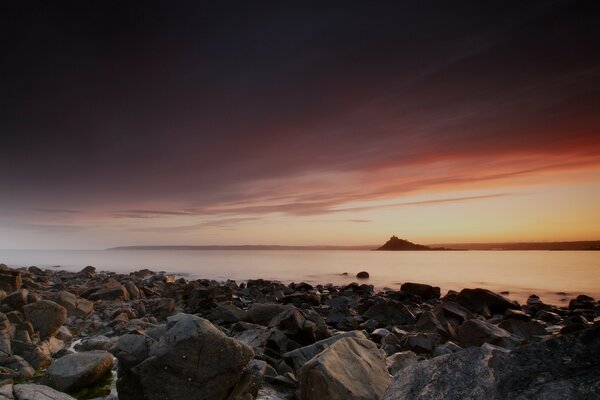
{"points": [[148, 335], [397, 244]]}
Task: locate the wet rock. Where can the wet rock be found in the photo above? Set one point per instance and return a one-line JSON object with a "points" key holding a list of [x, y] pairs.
{"points": [[350, 369], [99, 342], [565, 367], [193, 360], [425, 292], [485, 302], [362, 275], [30, 391], [78, 370], [46, 316]]}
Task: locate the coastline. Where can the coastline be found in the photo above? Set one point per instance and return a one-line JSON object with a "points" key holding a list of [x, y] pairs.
{"points": [[275, 335]]}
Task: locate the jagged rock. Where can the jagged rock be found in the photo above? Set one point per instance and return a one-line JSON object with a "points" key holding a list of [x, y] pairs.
{"points": [[422, 342], [132, 349], [225, 314], [565, 367], [30, 391], [485, 302], [46, 316], [299, 357], [476, 332], [78, 370], [425, 292], [5, 338], [349, 369], [23, 370], [193, 360]]}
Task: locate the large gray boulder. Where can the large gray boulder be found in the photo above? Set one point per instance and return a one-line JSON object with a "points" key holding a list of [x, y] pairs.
{"points": [[193, 360], [300, 356], [46, 316], [31, 391], [78, 370], [349, 369], [565, 367]]}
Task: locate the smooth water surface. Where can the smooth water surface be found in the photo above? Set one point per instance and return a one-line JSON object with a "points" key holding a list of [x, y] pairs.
{"points": [[545, 273]]}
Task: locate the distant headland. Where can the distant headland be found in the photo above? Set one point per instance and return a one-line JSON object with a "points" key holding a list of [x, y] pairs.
{"points": [[397, 244]]}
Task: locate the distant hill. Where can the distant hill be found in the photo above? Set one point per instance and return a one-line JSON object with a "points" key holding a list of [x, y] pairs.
{"points": [[241, 247], [397, 244], [580, 245]]}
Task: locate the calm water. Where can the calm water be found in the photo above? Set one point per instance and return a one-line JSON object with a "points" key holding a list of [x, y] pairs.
{"points": [[522, 273]]}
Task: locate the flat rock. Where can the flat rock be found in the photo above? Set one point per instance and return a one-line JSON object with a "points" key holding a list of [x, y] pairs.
{"points": [[78, 370], [476, 332]]}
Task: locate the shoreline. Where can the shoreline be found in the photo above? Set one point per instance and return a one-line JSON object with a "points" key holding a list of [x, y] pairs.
{"points": [[275, 335]]}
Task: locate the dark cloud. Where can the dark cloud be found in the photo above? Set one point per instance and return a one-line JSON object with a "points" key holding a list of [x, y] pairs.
{"points": [[180, 108]]}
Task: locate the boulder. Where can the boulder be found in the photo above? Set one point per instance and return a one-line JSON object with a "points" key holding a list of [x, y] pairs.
{"points": [[565, 367], [425, 292], [523, 329], [30, 391], [46, 316], [75, 306], [193, 360], [485, 302], [78, 370], [300, 356], [263, 313], [17, 299], [132, 349], [5, 338], [350, 369], [476, 332]]}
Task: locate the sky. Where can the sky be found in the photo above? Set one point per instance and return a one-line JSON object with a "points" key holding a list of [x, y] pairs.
{"points": [[336, 123]]}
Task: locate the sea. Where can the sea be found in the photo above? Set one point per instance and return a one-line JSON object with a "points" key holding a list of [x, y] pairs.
{"points": [[555, 276]]}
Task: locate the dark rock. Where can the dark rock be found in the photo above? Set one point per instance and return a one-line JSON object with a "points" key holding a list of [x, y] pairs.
{"points": [[582, 302], [485, 302], [78, 370], [390, 313], [565, 367], [132, 349], [425, 292], [194, 360], [263, 313], [421, 342], [475, 332], [17, 299], [524, 329], [362, 275], [46, 316]]}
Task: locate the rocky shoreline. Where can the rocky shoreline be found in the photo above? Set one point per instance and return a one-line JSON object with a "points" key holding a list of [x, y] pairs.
{"points": [[148, 335]]}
